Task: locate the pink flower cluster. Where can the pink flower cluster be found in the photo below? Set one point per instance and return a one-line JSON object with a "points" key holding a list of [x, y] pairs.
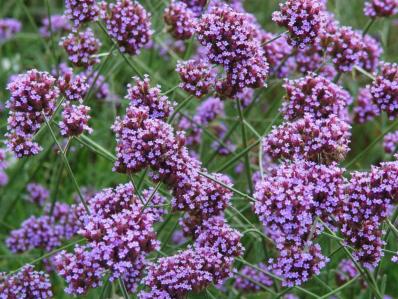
{"points": [[365, 109], [129, 24], [81, 11], [180, 19], [33, 96], [246, 278], [73, 87], [59, 24], [75, 120], [232, 41], [391, 142], [8, 28], [380, 8], [26, 283]]}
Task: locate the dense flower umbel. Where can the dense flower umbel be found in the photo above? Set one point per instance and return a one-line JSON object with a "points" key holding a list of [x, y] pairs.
{"points": [[59, 24], [81, 269], [75, 120], [180, 19], [32, 94], [321, 140], [365, 109], [143, 95], [296, 265], [197, 77], [37, 194], [231, 39], [372, 51], [80, 47], [209, 110], [391, 142], [367, 204], [73, 88], [129, 24], [346, 271], [380, 8], [81, 11], [384, 89], [346, 48], [44, 232], [25, 284], [303, 18], [314, 95], [8, 28], [244, 279], [292, 195], [196, 6]]}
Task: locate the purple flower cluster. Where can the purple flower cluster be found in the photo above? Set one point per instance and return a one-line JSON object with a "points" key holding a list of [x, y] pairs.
{"points": [[372, 51], [8, 28], [45, 232], [3, 166], [367, 204], [197, 6], [346, 48], [192, 270], [232, 41], [197, 77], [391, 142], [26, 283], [81, 11], [380, 8], [59, 24], [37, 194], [100, 86], [180, 19], [244, 279], [315, 95], [320, 140], [365, 109], [143, 95], [303, 18], [346, 271], [384, 89], [73, 88], [119, 234], [288, 201], [80, 47], [32, 95], [75, 120], [225, 148], [129, 24]]}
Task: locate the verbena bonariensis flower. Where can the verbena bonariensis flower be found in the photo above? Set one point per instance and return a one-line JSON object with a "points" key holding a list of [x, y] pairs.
{"points": [[384, 89], [81, 269], [320, 140], [365, 109], [296, 265], [380, 8], [303, 19], [155, 202], [225, 147], [346, 48], [245, 277], [372, 51], [75, 120], [314, 95], [232, 41], [180, 19], [32, 95], [391, 142], [209, 110], [129, 24], [245, 97], [80, 47], [26, 283], [3, 166], [367, 204], [291, 196], [197, 6], [59, 24], [81, 11], [8, 28], [73, 87], [37, 194], [197, 77], [346, 271], [45, 232], [141, 94], [192, 130]]}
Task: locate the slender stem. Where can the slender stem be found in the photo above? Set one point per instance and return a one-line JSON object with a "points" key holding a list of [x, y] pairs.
{"points": [[342, 287], [368, 25], [275, 38], [367, 74], [123, 289], [179, 107]]}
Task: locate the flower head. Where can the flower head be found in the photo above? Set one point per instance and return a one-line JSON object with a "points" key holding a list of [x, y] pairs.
{"points": [[81, 11], [180, 19]]}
